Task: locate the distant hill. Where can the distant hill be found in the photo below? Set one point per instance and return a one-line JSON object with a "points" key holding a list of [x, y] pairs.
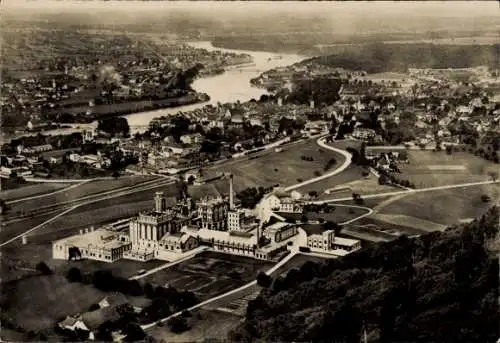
{"points": [[440, 287], [375, 58]]}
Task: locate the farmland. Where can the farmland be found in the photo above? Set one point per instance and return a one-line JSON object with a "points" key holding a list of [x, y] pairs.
{"points": [[429, 169], [31, 189], [285, 168], [445, 206], [209, 274], [84, 189]]}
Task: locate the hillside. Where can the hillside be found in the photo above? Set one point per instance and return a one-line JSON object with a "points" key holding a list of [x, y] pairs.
{"points": [[440, 287], [375, 58]]}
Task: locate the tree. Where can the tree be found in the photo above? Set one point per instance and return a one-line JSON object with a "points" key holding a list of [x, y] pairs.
{"points": [[313, 194], [178, 324], [449, 149], [4, 208], [43, 268], [94, 307], [304, 219], [74, 275], [263, 279], [493, 175], [134, 332], [330, 225]]}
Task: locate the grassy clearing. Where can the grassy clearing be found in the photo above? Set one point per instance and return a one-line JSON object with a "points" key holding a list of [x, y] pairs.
{"points": [[39, 302], [285, 168], [31, 189], [205, 325], [445, 207], [430, 169]]}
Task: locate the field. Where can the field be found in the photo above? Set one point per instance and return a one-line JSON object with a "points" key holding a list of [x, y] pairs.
{"points": [[429, 169], [346, 183], [88, 188], [39, 302], [205, 325], [445, 207], [209, 274], [30, 189], [285, 168]]}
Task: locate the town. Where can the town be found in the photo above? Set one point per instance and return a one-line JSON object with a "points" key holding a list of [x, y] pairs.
{"points": [[161, 184]]}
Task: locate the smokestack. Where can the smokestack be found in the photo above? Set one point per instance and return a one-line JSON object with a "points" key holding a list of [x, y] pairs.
{"points": [[258, 234], [231, 200], [159, 202]]}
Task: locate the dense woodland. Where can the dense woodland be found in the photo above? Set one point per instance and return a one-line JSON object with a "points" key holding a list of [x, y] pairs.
{"points": [[376, 58], [439, 287]]}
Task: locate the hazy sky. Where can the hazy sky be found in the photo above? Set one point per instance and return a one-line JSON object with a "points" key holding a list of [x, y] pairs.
{"points": [[372, 9]]}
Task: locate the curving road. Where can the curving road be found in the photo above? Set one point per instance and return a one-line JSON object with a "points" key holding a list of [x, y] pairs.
{"points": [[347, 162]]}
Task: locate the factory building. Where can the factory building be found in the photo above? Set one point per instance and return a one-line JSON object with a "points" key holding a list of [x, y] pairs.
{"points": [[280, 231], [101, 245]]}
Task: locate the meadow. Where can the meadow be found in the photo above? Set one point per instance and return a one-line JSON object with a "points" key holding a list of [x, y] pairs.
{"points": [[429, 169]]}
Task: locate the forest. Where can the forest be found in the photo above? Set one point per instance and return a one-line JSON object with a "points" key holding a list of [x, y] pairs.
{"points": [[439, 287], [379, 57]]}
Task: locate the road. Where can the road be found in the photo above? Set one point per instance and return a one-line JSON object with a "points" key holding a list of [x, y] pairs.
{"points": [[347, 162], [418, 190]]}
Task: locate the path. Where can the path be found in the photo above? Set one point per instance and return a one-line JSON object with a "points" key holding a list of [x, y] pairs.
{"points": [[413, 191], [344, 166], [47, 194]]}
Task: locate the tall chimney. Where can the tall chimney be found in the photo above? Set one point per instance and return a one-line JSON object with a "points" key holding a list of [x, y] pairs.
{"points": [[231, 200], [159, 202], [258, 234]]}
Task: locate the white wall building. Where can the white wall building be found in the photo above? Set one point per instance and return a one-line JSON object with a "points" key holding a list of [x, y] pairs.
{"points": [[101, 245], [327, 242]]}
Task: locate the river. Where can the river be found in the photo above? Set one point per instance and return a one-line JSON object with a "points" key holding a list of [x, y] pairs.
{"points": [[232, 85]]}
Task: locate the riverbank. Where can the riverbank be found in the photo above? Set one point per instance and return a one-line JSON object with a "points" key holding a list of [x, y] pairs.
{"points": [[125, 108]]}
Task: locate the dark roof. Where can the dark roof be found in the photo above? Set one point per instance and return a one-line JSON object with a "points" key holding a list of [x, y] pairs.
{"points": [[115, 299], [94, 319]]}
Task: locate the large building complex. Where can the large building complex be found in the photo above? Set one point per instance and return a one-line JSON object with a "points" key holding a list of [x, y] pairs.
{"points": [[166, 232], [102, 245]]}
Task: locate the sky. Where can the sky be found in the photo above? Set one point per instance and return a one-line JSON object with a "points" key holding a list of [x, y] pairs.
{"points": [[378, 8]]}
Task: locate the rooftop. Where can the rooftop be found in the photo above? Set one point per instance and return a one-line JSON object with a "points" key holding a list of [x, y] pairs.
{"points": [[277, 226], [225, 236], [345, 241], [102, 238]]}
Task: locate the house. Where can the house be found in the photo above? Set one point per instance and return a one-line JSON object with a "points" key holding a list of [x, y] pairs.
{"points": [[94, 319], [73, 323], [175, 148], [363, 133], [56, 160], [194, 138], [113, 300]]}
